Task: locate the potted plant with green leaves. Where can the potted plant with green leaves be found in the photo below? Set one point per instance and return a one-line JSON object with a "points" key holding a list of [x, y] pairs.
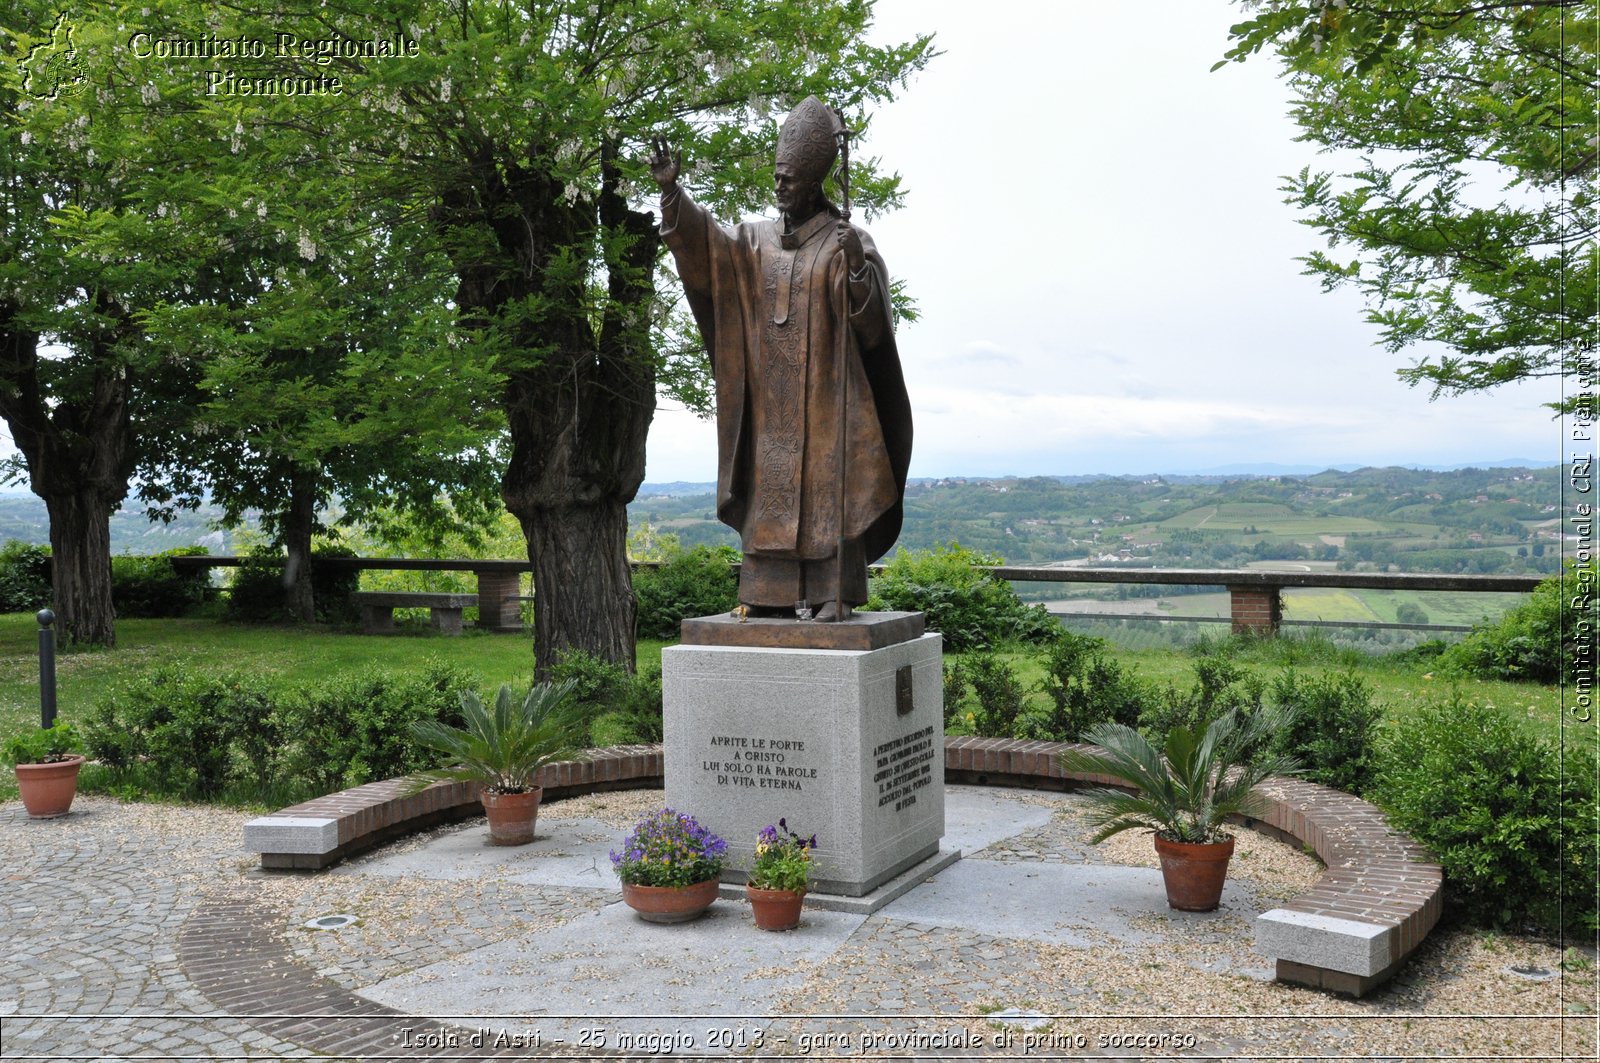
{"points": [[47, 760], [502, 750], [1184, 792], [670, 867], [780, 876]]}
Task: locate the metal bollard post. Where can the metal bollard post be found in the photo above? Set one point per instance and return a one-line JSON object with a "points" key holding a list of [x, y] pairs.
{"points": [[47, 668]]}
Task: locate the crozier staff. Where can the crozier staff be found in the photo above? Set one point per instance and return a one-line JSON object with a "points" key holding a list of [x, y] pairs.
{"points": [[795, 313]]}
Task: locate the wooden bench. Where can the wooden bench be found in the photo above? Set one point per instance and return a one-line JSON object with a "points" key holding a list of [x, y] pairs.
{"points": [[377, 608]]}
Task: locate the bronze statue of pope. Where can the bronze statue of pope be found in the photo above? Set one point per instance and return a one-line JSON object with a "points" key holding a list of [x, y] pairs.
{"points": [[813, 423]]}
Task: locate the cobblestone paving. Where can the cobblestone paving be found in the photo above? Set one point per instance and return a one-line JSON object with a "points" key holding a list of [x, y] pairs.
{"points": [[92, 906]]}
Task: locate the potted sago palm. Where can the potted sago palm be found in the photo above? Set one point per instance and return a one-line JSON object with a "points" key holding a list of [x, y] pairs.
{"points": [[1184, 792], [502, 750]]}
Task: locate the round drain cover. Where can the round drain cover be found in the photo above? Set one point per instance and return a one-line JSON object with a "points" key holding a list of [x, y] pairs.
{"points": [[330, 922]]}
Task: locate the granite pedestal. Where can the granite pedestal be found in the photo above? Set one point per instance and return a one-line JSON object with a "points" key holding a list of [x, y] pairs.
{"points": [[845, 744]]}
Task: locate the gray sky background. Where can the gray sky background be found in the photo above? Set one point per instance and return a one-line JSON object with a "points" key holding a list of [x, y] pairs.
{"points": [[1106, 270]]}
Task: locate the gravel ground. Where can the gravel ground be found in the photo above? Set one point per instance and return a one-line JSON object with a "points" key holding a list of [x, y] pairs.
{"points": [[126, 876]]}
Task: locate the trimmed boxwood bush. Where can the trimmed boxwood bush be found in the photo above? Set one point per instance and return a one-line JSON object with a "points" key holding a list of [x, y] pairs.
{"points": [[964, 603], [148, 586], [687, 583], [24, 577], [1512, 825]]}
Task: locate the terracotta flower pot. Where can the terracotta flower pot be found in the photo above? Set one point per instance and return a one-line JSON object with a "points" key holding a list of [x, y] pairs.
{"points": [[511, 816], [48, 789], [1194, 872], [670, 904], [776, 909]]}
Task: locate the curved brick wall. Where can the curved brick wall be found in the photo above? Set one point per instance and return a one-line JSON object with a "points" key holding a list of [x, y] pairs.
{"points": [[1377, 900]]}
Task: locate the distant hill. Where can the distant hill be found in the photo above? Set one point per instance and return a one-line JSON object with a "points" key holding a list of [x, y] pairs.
{"points": [[1469, 519]]}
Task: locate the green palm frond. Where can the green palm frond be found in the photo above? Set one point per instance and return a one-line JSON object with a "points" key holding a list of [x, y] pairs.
{"points": [[1187, 789], [502, 748]]}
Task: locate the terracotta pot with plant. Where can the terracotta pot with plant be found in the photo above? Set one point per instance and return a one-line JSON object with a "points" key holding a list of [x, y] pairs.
{"points": [[780, 876], [46, 760], [670, 867], [1184, 792], [503, 750]]}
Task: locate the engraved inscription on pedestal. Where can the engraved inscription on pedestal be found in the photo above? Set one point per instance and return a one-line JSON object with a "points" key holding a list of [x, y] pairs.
{"points": [[817, 737], [904, 766], [759, 763]]}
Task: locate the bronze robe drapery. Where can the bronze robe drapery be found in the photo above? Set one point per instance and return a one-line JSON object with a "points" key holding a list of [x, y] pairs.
{"points": [[775, 310]]}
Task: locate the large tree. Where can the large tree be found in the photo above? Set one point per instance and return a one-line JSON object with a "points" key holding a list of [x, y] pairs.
{"points": [[1470, 218], [82, 253], [522, 128]]}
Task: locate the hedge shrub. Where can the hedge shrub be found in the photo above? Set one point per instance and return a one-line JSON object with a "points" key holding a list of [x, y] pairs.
{"points": [[1332, 727], [1513, 827], [687, 583], [24, 577], [148, 586], [1085, 688], [256, 592], [962, 601], [1535, 640], [176, 732]]}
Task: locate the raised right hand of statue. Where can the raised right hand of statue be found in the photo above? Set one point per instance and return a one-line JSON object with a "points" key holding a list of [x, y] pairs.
{"points": [[664, 165]]}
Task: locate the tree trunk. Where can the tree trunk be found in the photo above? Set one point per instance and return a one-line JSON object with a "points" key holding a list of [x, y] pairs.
{"points": [[78, 446], [579, 404], [298, 523], [80, 567], [584, 591]]}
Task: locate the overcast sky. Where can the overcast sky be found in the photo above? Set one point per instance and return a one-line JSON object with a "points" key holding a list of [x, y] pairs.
{"points": [[1106, 270]]}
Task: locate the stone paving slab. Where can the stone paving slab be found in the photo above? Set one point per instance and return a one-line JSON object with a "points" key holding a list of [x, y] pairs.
{"points": [[142, 932]]}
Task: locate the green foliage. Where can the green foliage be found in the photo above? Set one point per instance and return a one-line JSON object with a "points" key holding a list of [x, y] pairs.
{"points": [[356, 729], [1410, 613], [44, 745], [964, 603], [998, 696], [1085, 688], [257, 592], [502, 749], [783, 859], [24, 577], [179, 728], [179, 732], [686, 583], [1511, 821], [1536, 640], [1221, 686], [1442, 102], [1330, 726], [1188, 786], [150, 587], [616, 708]]}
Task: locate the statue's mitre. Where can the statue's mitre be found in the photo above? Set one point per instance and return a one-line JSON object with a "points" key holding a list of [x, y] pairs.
{"points": [[808, 140]]}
